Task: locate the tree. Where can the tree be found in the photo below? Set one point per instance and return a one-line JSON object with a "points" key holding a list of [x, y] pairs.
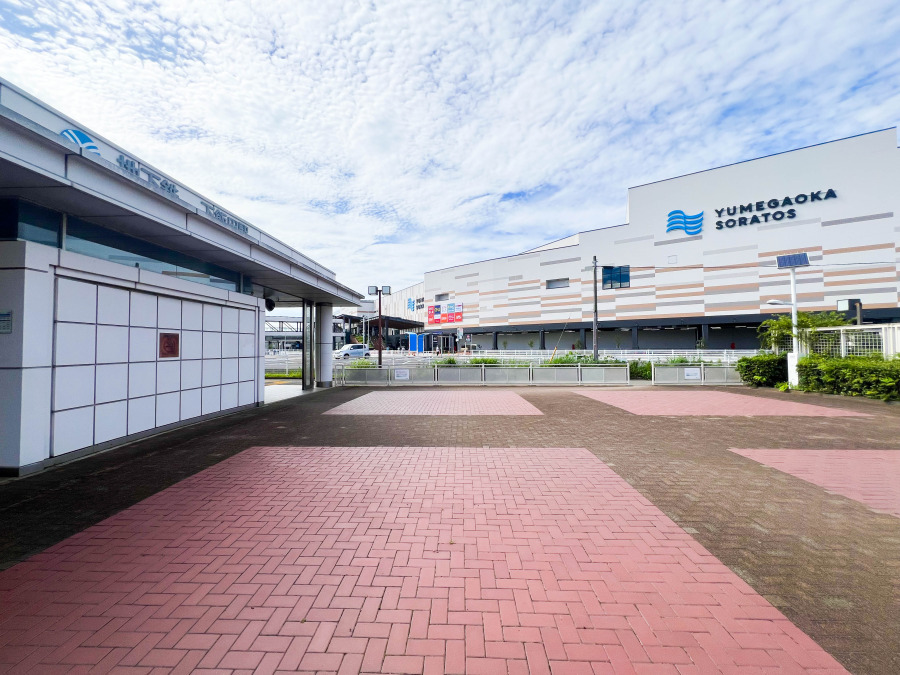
{"points": [[774, 332]]}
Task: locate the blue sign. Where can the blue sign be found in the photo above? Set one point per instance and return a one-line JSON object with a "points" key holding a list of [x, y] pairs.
{"points": [[410, 304], [81, 139], [679, 220]]}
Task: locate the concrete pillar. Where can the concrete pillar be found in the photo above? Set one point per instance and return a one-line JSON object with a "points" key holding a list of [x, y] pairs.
{"points": [[634, 337], [26, 355], [494, 343], [309, 346], [541, 341], [704, 334], [324, 346], [582, 338]]}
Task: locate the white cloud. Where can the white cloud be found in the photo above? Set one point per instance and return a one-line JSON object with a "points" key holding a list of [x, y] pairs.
{"points": [[380, 137]]}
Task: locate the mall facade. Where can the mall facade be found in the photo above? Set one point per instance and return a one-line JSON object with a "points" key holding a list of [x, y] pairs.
{"points": [[129, 304], [695, 263]]}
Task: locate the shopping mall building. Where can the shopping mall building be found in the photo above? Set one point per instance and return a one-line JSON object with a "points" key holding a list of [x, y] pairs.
{"points": [[695, 262], [129, 304]]}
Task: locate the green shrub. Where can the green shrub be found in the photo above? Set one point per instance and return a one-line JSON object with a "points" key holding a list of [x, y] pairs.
{"points": [[361, 363], [446, 361], [571, 359], [640, 370], [872, 377], [289, 375], [763, 370], [484, 360]]}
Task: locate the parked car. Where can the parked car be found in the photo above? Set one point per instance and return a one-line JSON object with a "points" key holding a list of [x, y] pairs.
{"points": [[352, 351]]}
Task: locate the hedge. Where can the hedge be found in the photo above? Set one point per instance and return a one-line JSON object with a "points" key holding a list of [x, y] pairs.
{"points": [[764, 370], [851, 376]]}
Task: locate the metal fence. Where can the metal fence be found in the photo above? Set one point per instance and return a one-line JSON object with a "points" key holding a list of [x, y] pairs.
{"points": [[484, 374], [701, 373], [841, 341]]}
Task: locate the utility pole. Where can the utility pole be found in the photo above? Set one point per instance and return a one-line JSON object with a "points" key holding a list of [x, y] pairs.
{"points": [[380, 329], [594, 332]]}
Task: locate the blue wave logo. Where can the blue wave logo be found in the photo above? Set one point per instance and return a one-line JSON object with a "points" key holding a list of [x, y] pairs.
{"points": [[679, 220], [81, 139]]}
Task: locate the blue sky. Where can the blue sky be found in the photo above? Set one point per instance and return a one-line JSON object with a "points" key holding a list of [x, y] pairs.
{"points": [[388, 138]]}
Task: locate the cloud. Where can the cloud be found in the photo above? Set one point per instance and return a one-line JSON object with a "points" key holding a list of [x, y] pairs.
{"points": [[384, 139]]}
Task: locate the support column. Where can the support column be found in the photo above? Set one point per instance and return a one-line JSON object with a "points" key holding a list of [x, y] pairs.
{"points": [[324, 345], [494, 343], [541, 341], [309, 346], [582, 337], [704, 334], [634, 337]]}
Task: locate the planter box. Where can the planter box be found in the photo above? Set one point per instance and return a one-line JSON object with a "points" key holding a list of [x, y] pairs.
{"points": [[366, 375], [464, 374], [604, 374], [506, 374], [567, 374]]}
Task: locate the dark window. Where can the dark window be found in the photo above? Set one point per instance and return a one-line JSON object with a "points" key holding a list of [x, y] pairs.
{"points": [[617, 277], [99, 242], [24, 220], [441, 296], [558, 283]]}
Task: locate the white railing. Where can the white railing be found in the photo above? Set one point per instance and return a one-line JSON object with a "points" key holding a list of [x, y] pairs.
{"points": [[841, 341], [287, 360]]}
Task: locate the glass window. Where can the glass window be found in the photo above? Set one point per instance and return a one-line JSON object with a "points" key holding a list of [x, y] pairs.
{"points": [[24, 220], [98, 242], [617, 277], [39, 224], [441, 296], [558, 283]]}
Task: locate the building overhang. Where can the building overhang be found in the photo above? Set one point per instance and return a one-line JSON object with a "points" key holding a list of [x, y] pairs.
{"points": [[41, 166]]}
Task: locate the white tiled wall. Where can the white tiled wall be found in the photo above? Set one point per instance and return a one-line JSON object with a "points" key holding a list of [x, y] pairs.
{"points": [[108, 379]]}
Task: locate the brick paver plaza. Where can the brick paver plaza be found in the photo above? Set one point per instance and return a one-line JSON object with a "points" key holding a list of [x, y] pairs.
{"points": [[871, 477], [361, 531]]}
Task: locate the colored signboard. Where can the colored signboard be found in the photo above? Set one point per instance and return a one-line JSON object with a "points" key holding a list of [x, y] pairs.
{"points": [[452, 312]]}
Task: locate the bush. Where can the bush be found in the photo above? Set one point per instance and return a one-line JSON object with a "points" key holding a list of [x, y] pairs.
{"points": [[289, 375], [571, 359], [361, 363], [484, 360], [640, 370], [446, 361], [872, 377], [764, 370]]}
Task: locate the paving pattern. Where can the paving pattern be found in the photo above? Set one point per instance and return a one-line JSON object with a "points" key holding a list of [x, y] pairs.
{"points": [[829, 563], [494, 402], [871, 477], [394, 560], [712, 403]]}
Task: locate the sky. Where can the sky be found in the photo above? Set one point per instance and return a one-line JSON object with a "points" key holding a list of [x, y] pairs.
{"points": [[388, 138]]}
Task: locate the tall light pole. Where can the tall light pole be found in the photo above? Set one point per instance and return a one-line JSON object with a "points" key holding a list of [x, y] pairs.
{"points": [[384, 290], [791, 262], [594, 331]]}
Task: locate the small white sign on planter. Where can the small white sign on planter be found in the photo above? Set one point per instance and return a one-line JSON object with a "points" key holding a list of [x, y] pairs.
{"points": [[401, 373], [692, 374]]}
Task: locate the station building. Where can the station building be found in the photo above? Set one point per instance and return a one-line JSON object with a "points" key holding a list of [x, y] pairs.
{"points": [[694, 265], [129, 303]]}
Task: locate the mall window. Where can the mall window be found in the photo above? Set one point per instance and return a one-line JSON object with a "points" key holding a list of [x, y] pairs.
{"points": [[558, 283], [617, 277], [441, 296]]}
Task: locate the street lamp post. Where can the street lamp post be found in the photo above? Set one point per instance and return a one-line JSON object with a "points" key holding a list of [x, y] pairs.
{"points": [[791, 262], [384, 290], [594, 328]]}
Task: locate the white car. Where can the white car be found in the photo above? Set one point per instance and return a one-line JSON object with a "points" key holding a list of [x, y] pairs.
{"points": [[354, 351]]}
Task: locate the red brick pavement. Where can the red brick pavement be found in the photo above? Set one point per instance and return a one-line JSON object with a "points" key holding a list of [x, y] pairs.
{"points": [[713, 403], [871, 477], [393, 560], [491, 402]]}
